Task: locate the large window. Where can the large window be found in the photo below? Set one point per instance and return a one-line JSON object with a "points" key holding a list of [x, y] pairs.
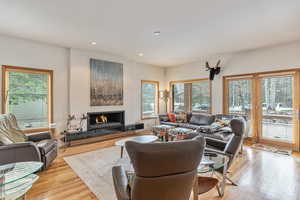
{"points": [[193, 95], [270, 101], [149, 99], [27, 93]]}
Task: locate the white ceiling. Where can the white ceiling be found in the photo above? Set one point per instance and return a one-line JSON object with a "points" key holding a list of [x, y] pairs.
{"points": [[190, 29]]}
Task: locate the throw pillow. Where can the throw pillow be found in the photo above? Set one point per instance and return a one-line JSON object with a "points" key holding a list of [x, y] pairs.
{"points": [[181, 118], [172, 117]]}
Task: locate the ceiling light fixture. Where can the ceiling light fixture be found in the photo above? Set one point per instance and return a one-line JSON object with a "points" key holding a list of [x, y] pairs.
{"points": [[140, 54], [93, 43], [156, 33]]}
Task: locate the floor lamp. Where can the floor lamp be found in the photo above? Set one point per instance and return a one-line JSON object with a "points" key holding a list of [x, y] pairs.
{"points": [[164, 95]]}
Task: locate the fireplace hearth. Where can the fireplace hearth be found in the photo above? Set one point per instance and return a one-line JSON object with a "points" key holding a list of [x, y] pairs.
{"points": [[106, 122]]}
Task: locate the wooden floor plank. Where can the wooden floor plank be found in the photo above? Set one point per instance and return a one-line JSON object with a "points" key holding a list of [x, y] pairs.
{"points": [[260, 175]]}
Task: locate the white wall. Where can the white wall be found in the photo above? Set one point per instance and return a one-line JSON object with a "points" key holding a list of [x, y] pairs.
{"points": [[24, 53], [133, 74], [265, 59], [71, 73]]}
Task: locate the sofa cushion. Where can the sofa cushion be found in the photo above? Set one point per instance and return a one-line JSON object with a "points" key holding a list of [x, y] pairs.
{"points": [[164, 118], [202, 119], [170, 123], [187, 125], [46, 145]]}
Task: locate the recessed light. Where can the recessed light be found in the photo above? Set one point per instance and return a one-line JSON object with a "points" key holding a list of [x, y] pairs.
{"points": [[140, 54], [93, 43], [156, 33]]}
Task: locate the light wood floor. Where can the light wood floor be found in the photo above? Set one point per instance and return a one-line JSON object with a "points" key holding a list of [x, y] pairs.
{"points": [[260, 175]]}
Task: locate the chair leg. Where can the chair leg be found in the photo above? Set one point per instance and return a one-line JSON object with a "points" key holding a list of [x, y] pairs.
{"points": [[219, 191], [231, 181]]}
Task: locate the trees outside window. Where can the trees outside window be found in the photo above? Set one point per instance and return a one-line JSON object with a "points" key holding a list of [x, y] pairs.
{"points": [[27, 95], [149, 99], [191, 95]]}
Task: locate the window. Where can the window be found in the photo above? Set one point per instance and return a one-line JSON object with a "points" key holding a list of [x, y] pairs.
{"points": [[27, 93], [240, 93], [178, 100], [193, 95], [149, 99], [269, 101], [201, 96]]}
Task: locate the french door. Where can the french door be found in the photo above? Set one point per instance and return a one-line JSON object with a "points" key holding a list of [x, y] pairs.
{"points": [[239, 99], [277, 108], [271, 103]]}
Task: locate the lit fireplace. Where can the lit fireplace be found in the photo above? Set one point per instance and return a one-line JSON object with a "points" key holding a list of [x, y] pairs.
{"points": [[101, 119], [105, 120]]}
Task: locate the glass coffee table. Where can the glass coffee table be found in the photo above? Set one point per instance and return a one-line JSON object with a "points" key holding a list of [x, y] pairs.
{"points": [[211, 163], [17, 178]]}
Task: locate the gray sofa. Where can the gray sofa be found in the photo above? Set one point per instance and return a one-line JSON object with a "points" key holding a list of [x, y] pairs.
{"points": [[202, 123], [205, 126], [15, 146], [194, 121]]}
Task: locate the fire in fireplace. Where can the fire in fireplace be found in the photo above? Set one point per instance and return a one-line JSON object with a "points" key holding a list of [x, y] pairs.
{"points": [[105, 120], [101, 119]]}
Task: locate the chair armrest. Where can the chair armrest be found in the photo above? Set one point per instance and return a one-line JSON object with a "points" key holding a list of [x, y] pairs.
{"points": [[36, 137], [210, 150], [19, 152], [216, 140], [120, 183]]}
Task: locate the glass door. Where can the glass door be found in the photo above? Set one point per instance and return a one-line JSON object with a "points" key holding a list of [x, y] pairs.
{"points": [[276, 107], [239, 100]]}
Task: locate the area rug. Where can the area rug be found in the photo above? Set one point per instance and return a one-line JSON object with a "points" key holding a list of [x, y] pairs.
{"points": [[94, 169], [272, 149]]}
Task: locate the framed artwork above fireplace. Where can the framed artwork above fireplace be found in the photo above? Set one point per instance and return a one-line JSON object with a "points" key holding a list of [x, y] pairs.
{"points": [[106, 83]]}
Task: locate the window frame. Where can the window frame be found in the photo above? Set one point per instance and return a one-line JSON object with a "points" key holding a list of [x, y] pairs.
{"points": [[8, 68], [156, 99], [171, 105], [256, 112]]}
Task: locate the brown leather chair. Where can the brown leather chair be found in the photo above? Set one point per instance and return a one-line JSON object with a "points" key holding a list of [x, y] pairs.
{"points": [[163, 171]]}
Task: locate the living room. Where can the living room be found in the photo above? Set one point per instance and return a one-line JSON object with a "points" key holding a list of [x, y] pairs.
{"points": [[148, 62]]}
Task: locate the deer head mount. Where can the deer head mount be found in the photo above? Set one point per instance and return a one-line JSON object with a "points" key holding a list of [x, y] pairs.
{"points": [[213, 70]]}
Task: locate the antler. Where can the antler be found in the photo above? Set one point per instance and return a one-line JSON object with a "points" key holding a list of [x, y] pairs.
{"points": [[218, 63], [207, 66]]}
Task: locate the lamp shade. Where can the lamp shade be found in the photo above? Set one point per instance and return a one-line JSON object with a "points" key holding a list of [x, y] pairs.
{"points": [[164, 94]]}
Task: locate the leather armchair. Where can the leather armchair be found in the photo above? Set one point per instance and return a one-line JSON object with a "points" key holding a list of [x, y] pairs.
{"points": [[232, 148], [163, 171], [38, 146]]}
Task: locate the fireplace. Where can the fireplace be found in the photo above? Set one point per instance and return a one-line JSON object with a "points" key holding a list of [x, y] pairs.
{"points": [[112, 121]]}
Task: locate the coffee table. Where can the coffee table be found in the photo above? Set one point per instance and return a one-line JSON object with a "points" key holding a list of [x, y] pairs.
{"points": [[17, 178], [162, 131], [139, 139], [180, 133]]}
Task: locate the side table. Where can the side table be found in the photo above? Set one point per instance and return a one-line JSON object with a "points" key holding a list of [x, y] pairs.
{"points": [[17, 178]]}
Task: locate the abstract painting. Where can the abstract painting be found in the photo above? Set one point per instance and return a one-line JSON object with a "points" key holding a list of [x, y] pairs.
{"points": [[106, 88]]}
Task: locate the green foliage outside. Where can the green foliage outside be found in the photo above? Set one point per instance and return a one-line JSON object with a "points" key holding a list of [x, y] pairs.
{"points": [[25, 87], [149, 94]]}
